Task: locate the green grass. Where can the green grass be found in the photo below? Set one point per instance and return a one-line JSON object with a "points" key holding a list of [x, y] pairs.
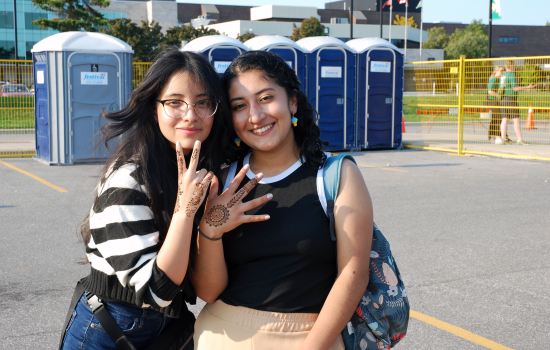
{"points": [[16, 119]]}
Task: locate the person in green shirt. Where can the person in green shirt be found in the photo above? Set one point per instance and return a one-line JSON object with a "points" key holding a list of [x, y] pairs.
{"points": [[493, 100], [508, 81]]}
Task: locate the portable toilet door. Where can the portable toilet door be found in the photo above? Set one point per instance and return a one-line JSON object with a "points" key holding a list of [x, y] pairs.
{"points": [[293, 54], [98, 76], [331, 89], [41, 115], [379, 93], [220, 50]]}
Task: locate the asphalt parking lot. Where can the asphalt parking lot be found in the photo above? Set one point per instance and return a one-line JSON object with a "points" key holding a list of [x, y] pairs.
{"points": [[471, 237]]}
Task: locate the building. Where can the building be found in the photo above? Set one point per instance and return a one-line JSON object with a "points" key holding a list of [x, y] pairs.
{"points": [[509, 40]]}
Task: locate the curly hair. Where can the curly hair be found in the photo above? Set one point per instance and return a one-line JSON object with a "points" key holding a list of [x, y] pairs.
{"points": [[274, 68]]}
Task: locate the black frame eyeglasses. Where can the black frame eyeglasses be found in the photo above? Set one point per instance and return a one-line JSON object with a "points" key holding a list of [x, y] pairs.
{"points": [[178, 112]]}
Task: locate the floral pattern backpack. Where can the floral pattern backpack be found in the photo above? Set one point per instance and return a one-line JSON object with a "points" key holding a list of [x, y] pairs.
{"points": [[382, 316]]}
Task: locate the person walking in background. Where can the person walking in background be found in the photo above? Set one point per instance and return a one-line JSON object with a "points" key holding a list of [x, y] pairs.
{"points": [[493, 100], [508, 81]]}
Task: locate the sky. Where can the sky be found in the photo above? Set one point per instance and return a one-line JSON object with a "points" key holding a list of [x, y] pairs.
{"points": [[514, 12]]}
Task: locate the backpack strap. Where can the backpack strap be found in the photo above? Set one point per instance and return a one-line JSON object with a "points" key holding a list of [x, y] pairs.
{"points": [[331, 177]]}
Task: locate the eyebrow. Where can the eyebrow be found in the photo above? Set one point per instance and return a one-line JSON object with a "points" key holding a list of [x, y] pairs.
{"points": [[258, 93], [203, 94]]}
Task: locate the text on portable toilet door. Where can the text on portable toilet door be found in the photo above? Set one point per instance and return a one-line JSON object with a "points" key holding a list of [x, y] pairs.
{"points": [[97, 78], [380, 67], [331, 72]]}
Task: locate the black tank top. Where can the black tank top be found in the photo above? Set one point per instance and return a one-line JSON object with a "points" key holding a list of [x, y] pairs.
{"points": [[287, 263]]}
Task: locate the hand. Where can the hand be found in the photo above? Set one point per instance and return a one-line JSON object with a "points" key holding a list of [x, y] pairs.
{"points": [[532, 86], [225, 212], [192, 184]]}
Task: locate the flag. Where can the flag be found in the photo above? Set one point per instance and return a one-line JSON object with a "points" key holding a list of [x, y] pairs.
{"points": [[496, 10], [402, 2], [419, 4], [387, 3]]}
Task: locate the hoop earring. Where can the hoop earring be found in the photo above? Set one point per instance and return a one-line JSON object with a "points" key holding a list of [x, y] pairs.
{"points": [[238, 141], [294, 120]]}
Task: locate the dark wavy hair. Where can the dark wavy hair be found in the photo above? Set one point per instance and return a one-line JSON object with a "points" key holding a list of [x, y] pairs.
{"points": [[142, 143], [273, 67]]}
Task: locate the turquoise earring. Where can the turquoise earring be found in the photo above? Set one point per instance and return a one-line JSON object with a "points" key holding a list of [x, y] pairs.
{"points": [[238, 141], [294, 120]]}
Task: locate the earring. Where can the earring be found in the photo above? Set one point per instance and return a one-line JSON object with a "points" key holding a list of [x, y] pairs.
{"points": [[238, 142], [294, 120]]}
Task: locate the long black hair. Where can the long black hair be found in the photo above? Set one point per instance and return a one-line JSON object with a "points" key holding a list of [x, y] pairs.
{"points": [[143, 144], [273, 67]]}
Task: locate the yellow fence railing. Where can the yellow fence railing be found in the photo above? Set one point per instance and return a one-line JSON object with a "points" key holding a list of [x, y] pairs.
{"points": [[497, 106], [17, 118], [16, 108]]}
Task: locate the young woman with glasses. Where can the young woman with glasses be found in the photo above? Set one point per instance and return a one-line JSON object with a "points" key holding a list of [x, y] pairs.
{"points": [[140, 234]]}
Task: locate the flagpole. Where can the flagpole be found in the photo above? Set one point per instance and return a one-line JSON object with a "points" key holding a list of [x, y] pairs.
{"points": [[406, 14], [421, 36], [391, 7], [490, 26]]}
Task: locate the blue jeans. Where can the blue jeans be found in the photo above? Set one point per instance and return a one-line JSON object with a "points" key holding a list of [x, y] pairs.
{"points": [[141, 326]]}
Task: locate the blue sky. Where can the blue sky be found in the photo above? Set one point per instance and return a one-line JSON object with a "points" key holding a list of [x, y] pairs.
{"points": [[515, 12]]}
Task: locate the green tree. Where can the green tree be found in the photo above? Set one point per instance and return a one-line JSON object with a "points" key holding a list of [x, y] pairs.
{"points": [[143, 39], [471, 42], [72, 15], [437, 39], [175, 35], [246, 36], [548, 23], [309, 27]]}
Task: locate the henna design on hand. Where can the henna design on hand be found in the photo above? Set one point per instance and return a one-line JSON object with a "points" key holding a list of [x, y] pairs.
{"points": [[217, 216], [198, 194], [195, 154], [243, 192], [180, 176]]}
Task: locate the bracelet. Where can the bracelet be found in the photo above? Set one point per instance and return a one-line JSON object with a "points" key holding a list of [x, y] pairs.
{"points": [[205, 236]]}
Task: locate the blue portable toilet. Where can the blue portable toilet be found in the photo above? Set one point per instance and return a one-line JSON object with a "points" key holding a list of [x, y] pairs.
{"points": [[292, 53], [379, 90], [220, 50], [77, 76], [331, 88]]}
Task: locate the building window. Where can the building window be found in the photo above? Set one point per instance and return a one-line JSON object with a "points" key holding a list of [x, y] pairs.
{"points": [[508, 39], [32, 16], [6, 19]]}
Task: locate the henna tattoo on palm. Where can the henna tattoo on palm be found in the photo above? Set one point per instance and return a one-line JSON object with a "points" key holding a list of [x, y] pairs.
{"points": [[198, 194], [243, 192]]}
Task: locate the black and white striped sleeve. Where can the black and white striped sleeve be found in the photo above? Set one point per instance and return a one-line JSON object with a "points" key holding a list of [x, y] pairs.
{"points": [[125, 240]]}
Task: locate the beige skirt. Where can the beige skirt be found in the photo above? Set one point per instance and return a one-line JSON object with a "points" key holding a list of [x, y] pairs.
{"points": [[226, 327]]}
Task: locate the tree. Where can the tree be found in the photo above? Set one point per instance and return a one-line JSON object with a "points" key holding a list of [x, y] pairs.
{"points": [[175, 35], [548, 23], [143, 39], [72, 15], [471, 42], [246, 36], [309, 27], [437, 38]]}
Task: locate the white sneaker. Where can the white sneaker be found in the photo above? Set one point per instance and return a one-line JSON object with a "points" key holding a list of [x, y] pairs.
{"points": [[499, 141]]}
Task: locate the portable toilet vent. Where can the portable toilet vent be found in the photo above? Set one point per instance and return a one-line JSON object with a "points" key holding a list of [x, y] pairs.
{"points": [[220, 50], [331, 88], [293, 54], [379, 93], [77, 76]]}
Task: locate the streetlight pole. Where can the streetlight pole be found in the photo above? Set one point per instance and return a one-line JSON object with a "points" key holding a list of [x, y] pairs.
{"points": [[15, 25], [380, 4], [490, 26], [351, 21]]}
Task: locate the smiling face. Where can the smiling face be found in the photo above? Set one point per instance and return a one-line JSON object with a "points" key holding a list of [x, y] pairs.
{"points": [[190, 127], [261, 112]]}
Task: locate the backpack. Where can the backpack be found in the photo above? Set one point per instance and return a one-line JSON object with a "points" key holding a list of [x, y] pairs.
{"points": [[382, 316]]}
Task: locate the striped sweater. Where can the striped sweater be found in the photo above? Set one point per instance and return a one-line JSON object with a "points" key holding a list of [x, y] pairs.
{"points": [[123, 248]]}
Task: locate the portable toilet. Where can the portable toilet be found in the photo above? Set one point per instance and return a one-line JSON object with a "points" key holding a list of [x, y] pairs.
{"points": [[77, 76], [292, 53], [379, 90], [220, 50], [331, 88]]}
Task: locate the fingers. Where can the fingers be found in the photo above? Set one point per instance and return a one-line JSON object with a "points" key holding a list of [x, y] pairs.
{"points": [[214, 186], [256, 202], [245, 190], [238, 179], [180, 159], [199, 192], [194, 161], [255, 218]]}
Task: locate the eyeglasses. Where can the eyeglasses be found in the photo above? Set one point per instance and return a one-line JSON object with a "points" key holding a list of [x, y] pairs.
{"points": [[178, 108]]}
